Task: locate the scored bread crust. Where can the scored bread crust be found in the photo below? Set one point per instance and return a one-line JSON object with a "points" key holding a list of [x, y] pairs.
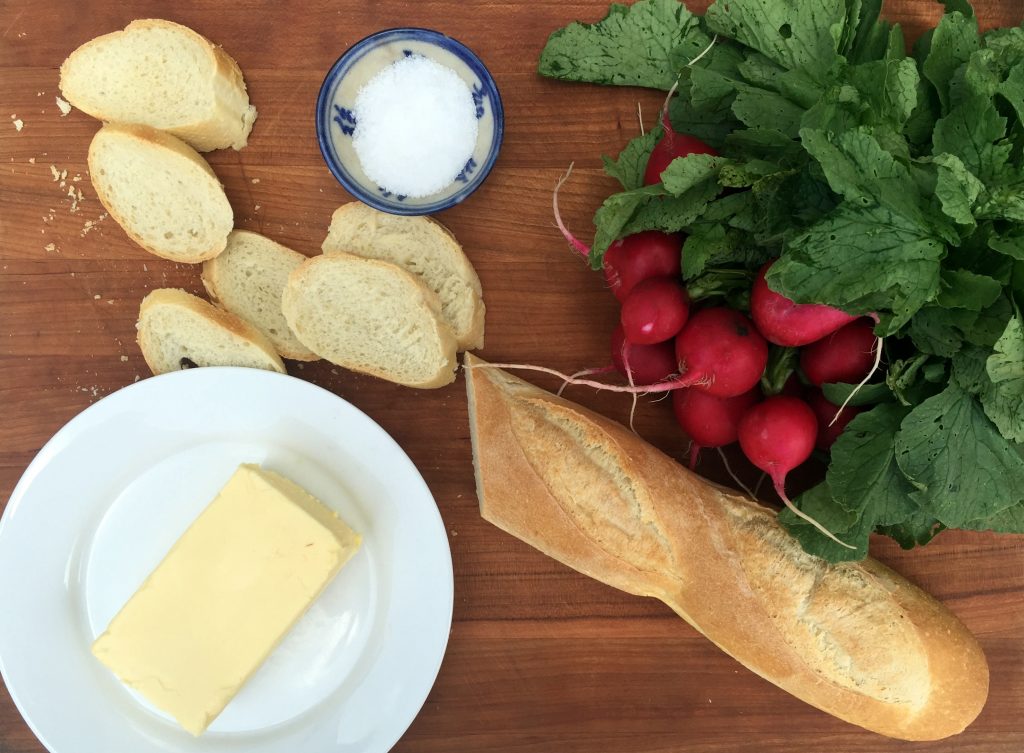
{"points": [[217, 317], [853, 639], [212, 275], [418, 295], [473, 335], [224, 127], [176, 146]]}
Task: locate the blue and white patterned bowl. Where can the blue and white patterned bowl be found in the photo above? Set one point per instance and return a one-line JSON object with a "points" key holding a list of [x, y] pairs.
{"points": [[336, 122]]}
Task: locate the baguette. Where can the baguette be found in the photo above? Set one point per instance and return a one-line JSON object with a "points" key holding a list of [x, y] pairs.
{"points": [[177, 330], [164, 75], [161, 192], [422, 246], [853, 639], [370, 316], [248, 278]]}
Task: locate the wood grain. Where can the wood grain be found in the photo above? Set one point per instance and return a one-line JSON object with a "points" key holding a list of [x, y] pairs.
{"points": [[541, 658]]}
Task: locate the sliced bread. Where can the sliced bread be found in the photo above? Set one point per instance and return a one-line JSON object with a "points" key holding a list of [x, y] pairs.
{"points": [[247, 278], [177, 330], [163, 75], [421, 246], [161, 191], [370, 316]]}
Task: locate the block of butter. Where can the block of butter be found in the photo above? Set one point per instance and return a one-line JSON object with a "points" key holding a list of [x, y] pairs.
{"points": [[225, 595]]}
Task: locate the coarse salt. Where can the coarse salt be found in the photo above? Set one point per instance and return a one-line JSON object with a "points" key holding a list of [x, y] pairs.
{"points": [[416, 127]]}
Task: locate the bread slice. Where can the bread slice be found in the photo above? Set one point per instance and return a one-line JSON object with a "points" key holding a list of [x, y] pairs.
{"points": [[163, 75], [421, 246], [370, 316], [248, 278], [177, 330], [161, 191], [854, 638]]}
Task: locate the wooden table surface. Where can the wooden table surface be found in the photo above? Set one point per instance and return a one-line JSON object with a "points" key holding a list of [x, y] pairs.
{"points": [[540, 658]]}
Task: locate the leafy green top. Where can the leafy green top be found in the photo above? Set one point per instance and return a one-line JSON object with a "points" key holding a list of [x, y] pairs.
{"points": [[884, 184]]}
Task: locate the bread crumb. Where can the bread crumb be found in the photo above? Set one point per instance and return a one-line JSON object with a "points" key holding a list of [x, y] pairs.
{"points": [[124, 359], [91, 225], [77, 178], [50, 247], [255, 180], [18, 123], [31, 160], [145, 268], [256, 208], [64, 105], [55, 173], [454, 533], [96, 297], [76, 196]]}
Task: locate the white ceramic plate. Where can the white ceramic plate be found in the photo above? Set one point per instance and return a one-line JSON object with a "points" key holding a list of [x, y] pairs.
{"points": [[112, 491]]}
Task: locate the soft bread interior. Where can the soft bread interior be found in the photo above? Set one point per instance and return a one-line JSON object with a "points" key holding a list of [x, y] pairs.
{"points": [[423, 247], [176, 331], [164, 198], [372, 317], [248, 278]]}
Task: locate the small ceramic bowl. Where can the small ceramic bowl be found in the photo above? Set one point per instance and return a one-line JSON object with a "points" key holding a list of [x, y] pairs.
{"points": [[336, 121]]}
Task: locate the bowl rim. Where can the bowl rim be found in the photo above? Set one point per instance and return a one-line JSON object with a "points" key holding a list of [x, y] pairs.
{"points": [[341, 174]]}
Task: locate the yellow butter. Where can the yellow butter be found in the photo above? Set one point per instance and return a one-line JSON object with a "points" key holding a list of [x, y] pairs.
{"points": [[225, 595]]}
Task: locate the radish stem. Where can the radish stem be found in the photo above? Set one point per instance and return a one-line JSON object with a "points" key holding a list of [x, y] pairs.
{"points": [[629, 378], [705, 51], [577, 245], [780, 490], [586, 372], [757, 486], [728, 468], [673, 384], [864, 381]]}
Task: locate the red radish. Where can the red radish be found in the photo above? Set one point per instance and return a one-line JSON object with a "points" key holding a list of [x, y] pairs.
{"points": [[648, 364], [790, 324], [655, 311], [710, 421], [671, 146], [639, 257], [777, 435], [720, 352], [632, 259], [829, 431], [846, 355]]}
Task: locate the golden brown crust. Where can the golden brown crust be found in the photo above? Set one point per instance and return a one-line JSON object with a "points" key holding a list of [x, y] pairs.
{"points": [[854, 639], [217, 316]]}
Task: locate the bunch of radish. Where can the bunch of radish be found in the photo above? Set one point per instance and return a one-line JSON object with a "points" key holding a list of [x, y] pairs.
{"points": [[713, 358]]}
